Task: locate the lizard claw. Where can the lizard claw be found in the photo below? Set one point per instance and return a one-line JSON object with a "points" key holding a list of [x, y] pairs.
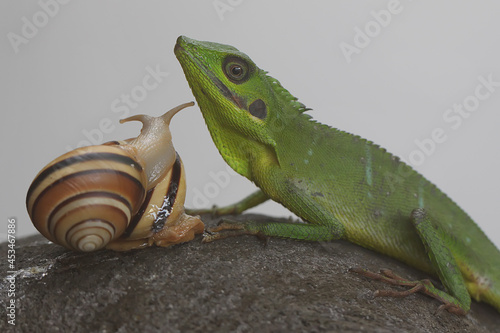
{"points": [[450, 307]]}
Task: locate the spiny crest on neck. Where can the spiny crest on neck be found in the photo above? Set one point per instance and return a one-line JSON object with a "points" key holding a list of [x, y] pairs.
{"points": [[297, 106], [285, 94]]}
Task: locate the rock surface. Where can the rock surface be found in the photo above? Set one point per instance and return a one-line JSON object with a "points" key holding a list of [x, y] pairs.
{"points": [[232, 285]]}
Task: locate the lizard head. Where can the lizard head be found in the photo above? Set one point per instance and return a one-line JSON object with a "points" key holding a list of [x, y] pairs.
{"points": [[243, 107]]}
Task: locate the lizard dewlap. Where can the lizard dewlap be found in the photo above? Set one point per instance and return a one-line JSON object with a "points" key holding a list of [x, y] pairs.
{"points": [[343, 186]]}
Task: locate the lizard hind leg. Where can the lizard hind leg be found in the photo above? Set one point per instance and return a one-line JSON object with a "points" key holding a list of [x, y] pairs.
{"points": [[424, 286], [457, 299]]}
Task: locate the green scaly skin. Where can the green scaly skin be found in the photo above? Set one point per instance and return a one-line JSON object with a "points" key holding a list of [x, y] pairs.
{"points": [[343, 186]]}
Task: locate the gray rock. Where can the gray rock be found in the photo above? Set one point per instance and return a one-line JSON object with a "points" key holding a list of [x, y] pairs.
{"points": [[232, 285]]}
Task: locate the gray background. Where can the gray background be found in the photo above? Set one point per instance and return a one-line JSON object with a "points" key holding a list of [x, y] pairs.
{"points": [[70, 75]]}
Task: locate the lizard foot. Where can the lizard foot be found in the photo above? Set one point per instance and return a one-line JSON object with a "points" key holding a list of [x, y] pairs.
{"points": [[226, 228], [424, 286]]}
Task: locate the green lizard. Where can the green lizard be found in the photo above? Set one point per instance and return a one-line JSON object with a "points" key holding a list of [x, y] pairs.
{"points": [[341, 185]]}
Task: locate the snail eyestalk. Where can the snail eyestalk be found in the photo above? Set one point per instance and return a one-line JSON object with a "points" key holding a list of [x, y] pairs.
{"points": [[167, 117], [154, 145]]}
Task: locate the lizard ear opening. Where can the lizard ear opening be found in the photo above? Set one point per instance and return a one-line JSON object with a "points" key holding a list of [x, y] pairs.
{"points": [[258, 109]]}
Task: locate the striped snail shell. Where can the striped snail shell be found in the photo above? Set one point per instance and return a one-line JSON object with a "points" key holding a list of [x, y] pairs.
{"points": [[87, 198]]}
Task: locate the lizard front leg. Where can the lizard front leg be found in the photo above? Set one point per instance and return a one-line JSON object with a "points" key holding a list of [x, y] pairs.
{"points": [[295, 230], [323, 226]]}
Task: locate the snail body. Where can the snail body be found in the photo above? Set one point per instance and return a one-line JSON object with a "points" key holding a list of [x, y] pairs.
{"points": [[120, 195]]}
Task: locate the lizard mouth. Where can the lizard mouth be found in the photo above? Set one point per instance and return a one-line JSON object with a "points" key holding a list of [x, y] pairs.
{"points": [[178, 48], [185, 51], [186, 54]]}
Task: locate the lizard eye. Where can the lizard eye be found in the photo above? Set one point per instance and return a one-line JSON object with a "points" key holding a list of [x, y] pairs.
{"points": [[236, 69]]}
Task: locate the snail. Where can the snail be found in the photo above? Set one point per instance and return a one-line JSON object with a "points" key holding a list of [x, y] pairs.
{"points": [[120, 195]]}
